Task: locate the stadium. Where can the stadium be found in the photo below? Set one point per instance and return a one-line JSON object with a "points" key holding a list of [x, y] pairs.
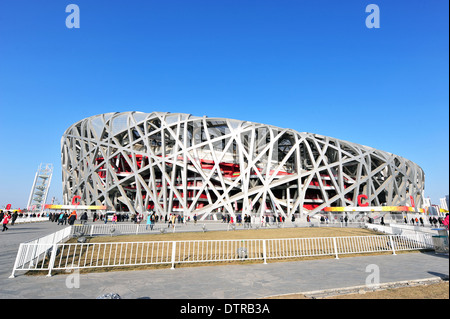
{"points": [[210, 167]]}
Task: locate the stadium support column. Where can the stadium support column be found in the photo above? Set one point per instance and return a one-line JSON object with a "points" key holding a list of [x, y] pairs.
{"points": [[288, 202]]}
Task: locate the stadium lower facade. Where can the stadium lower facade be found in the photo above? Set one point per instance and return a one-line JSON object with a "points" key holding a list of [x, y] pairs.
{"points": [[188, 165]]}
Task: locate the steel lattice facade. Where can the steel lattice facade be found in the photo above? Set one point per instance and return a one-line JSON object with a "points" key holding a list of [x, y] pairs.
{"points": [[179, 163]]}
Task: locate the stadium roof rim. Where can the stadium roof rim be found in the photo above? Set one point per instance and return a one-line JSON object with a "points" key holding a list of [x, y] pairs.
{"points": [[194, 117]]}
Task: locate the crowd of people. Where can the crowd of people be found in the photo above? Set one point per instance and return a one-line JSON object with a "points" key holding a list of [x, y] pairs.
{"points": [[6, 217], [151, 218], [64, 218]]}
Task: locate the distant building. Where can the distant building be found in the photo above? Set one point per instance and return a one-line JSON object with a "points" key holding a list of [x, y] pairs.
{"points": [[433, 210], [426, 202], [444, 203]]}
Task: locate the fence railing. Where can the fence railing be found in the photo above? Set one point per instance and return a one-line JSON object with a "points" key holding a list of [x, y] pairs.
{"points": [[129, 228], [34, 251], [29, 219], [69, 256], [122, 229]]}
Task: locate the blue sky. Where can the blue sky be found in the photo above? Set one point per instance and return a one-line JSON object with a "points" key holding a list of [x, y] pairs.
{"points": [[310, 65]]}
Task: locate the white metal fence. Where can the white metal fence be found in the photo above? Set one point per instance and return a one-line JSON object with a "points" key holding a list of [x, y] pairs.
{"points": [[130, 228], [68, 256], [122, 229], [30, 219], [31, 253]]}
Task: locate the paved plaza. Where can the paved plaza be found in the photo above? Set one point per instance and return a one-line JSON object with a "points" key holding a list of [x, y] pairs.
{"points": [[247, 281]]}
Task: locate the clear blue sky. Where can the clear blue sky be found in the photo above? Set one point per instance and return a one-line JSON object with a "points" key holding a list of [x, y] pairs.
{"points": [[310, 65]]}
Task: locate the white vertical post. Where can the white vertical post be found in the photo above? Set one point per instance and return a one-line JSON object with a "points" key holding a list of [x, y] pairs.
{"points": [[16, 263], [392, 245], [335, 247], [173, 254], [52, 260], [264, 252]]}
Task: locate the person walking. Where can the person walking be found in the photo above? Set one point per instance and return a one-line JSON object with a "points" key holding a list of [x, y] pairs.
{"points": [[446, 221], [84, 218], [149, 222], [72, 218], [6, 221], [13, 218], [61, 218]]}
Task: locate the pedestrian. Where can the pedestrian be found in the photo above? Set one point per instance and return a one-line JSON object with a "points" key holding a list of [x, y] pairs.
{"points": [[6, 221], [84, 218], [13, 218], [149, 222], [114, 219], [72, 217], [382, 221], [195, 218], [61, 218], [446, 221]]}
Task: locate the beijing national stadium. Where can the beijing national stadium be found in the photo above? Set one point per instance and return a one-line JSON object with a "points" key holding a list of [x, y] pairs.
{"points": [[178, 163]]}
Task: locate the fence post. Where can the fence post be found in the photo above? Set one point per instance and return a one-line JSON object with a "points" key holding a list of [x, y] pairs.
{"points": [[335, 247], [16, 263], [173, 254], [392, 245], [52, 260], [137, 229], [264, 252], [92, 230], [420, 242]]}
